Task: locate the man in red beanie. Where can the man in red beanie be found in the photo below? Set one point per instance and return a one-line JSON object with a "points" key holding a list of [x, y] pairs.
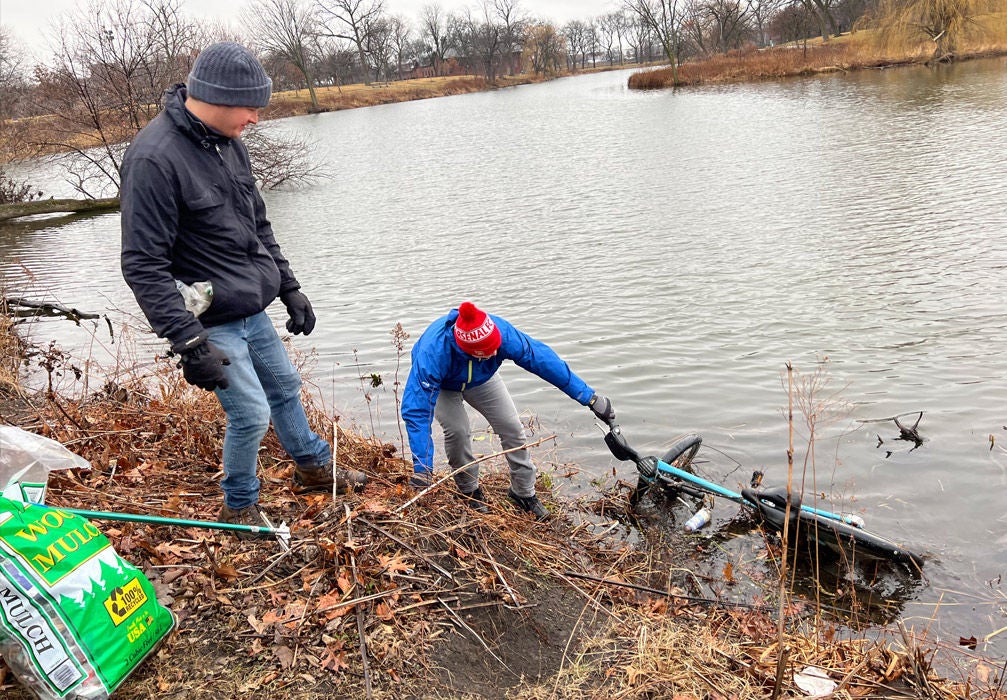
{"points": [[455, 362]]}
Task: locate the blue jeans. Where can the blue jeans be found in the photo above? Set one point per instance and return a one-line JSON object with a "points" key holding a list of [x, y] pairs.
{"points": [[263, 385], [495, 404]]}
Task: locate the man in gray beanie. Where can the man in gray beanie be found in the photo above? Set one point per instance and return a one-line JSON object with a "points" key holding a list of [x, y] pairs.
{"points": [[191, 213]]}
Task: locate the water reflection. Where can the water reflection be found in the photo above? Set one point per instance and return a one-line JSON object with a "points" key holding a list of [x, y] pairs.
{"points": [[678, 249]]}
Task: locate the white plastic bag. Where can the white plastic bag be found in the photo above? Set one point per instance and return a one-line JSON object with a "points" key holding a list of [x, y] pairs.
{"points": [[197, 296], [26, 460], [814, 681]]}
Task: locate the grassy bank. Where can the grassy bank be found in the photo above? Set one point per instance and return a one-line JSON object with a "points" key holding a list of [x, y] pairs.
{"points": [[298, 102], [859, 51], [384, 597], [20, 139]]}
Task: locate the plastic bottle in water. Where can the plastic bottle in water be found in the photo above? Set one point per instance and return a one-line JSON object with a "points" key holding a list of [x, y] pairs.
{"points": [[697, 521], [853, 519], [197, 295]]}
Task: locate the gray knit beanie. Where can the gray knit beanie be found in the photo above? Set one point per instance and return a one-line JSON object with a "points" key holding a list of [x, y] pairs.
{"points": [[228, 74]]}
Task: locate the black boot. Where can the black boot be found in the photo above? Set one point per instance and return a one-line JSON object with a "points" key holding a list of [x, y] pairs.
{"points": [[529, 504], [476, 500]]}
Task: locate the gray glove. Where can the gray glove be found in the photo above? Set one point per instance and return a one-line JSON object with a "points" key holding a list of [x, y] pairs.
{"points": [[602, 408]]}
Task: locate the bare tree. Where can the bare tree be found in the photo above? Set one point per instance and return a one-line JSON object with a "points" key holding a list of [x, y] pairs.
{"points": [[340, 63], [593, 41], [354, 21], [480, 39], [435, 30], [577, 41], [663, 19], [380, 46], [13, 86], [729, 22], [13, 82], [793, 23], [401, 42], [611, 27], [282, 160], [639, 36], [513, 22], [113, 60], [762, 12], [697, 29], [290, 29], [174, 35], [105, 83], [822, 11]]}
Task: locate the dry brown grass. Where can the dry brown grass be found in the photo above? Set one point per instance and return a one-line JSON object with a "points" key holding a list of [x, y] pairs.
{"points": [[297, 102], [847, 53], [21, 138]]}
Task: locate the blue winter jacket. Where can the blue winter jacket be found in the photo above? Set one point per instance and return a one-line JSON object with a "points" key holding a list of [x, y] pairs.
{"points": [[191, 211], [438, 363]]}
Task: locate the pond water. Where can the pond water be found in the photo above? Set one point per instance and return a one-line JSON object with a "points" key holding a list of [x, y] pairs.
{"points": [[678, 249]]}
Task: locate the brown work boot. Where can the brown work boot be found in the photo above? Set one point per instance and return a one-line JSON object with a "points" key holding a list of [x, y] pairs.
{"points": [[310, 479], [249, 515]]}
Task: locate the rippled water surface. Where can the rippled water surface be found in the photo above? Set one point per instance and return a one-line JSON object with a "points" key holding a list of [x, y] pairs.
{"points": [[678, 249]]}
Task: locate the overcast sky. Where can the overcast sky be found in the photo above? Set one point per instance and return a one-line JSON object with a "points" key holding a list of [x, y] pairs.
{"points": [[27, 20]]}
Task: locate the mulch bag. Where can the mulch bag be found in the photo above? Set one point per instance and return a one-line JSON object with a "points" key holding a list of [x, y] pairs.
{"points": [[75, 618]]}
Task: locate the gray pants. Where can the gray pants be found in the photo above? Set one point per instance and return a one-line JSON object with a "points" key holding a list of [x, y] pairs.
{"points": [[495, 404]]}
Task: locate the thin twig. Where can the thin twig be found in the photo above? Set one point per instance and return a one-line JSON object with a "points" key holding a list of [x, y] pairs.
{"points": [[590, 599], [475, 634], [362, 599], [284, 554], [781, 667], [785, 535], [462, 468], [496, 569], [666, 594], [335, 449], [358, 613], [913, 652], [432, 564]]}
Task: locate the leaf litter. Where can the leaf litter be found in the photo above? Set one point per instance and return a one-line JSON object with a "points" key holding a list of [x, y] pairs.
{"points": [[433, 601]]}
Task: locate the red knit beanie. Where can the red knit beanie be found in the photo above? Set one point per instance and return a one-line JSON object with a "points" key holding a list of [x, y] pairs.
{"points": [[475, 332]]}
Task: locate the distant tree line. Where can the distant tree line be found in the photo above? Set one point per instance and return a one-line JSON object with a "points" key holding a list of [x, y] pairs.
{"points": [[112, 59], [137, 46]]}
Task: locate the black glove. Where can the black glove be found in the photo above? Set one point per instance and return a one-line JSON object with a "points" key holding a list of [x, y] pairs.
{"points": [[302, 318], [203, 366], [647, 466], [602, 408]]}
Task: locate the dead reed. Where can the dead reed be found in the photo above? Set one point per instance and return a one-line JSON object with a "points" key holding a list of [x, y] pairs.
{"points": [[865, 49]]}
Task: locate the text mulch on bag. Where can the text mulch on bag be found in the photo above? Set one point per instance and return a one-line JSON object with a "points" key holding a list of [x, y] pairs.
{"points": [[75, 618]]}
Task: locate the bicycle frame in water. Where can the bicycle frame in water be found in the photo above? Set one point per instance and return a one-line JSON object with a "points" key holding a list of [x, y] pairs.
{"points": [[842, 533]]}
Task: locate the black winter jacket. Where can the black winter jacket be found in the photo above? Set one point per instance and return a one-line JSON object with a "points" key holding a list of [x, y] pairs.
{"points": [[191, 211]]}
